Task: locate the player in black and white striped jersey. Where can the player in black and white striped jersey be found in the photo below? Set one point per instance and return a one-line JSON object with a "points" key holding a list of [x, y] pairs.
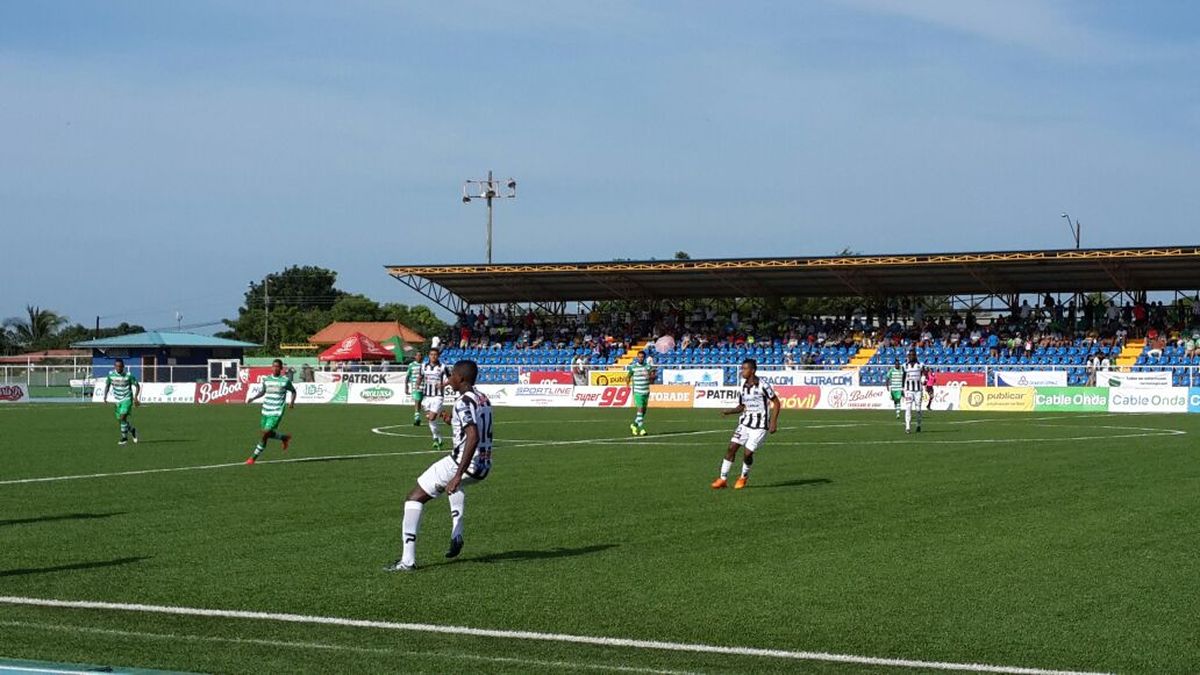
{"points": [[469, 462], [758, 409], [914, 384], [435, 375]]}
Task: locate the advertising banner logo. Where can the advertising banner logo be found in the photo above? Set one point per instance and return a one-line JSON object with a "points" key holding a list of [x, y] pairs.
{"points": [[396, 378], [1031, 378], [222, 391], [715, 397], [856, 398], [671, 396], [798, 398], [546, 377], [1112, 379], [697, 377], [1010, 399], [971, 379], [810, 378], [153, 392], [1071, 399], [601, 397], [1160, 400], [11, 393], [608, 378]]}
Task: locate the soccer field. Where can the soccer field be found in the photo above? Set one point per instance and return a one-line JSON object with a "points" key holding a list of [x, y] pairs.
{"points": [[1048, 542]]}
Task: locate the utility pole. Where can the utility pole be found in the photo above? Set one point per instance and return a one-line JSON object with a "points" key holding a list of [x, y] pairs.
{"points": [[489, 190], [266, 307], [1075, 228]]}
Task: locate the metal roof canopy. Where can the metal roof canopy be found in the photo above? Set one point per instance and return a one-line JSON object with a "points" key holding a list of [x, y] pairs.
{"points": [[156, 338], [1128, 270]]}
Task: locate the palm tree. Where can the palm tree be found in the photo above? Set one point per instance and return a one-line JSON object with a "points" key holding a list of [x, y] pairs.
{"points": [[39, 326]]}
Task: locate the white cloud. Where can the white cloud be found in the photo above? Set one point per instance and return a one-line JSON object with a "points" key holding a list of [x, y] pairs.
{"points": [[1046, 27]]}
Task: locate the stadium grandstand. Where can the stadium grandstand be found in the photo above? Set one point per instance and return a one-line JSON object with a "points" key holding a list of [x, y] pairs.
{"points": [[1077, 311]]}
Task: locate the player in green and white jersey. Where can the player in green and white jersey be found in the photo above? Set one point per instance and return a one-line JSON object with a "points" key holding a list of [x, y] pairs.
{"points": [[127, 392], [895, 378], [641, 374], [274, 391], [413, 383]]}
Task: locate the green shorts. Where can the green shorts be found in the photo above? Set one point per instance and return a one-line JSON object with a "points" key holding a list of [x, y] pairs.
{"points": [[641, 400], [418, 395], [896, 396], [271, 422], [124, 407]]}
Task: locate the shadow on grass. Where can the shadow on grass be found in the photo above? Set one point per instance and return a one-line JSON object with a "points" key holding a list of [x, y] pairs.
{"points": [[800, 482], [545, 554], [96, 564], [156, 441], [63, 516]]}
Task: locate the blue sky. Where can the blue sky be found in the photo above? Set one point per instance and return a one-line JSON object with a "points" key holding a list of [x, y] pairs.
{"points": [[157, 156]]}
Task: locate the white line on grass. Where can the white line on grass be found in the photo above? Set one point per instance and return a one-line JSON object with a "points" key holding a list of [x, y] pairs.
{"points": [[5, 668], [186, 637], [693, 648], [1147, 432], [202, 467]]}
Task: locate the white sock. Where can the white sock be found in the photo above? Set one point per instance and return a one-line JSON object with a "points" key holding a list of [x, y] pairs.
{"points": [[907, 419], [458, 509], [433, 429], [726, 465], [412, 523]]}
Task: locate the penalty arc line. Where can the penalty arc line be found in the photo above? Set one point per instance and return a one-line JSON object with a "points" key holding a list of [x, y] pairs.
{"points": [[684, 647]]}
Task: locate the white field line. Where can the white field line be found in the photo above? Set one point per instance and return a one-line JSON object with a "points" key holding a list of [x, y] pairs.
{"points": [[1146, 432], [176, 637], [53, 670], [693, 648], [202, 467], [651, 440]]}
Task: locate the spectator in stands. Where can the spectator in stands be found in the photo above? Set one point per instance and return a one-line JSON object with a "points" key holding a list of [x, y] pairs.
{"points": [[1093, 364]]}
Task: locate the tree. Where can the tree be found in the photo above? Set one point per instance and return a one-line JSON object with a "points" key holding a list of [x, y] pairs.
{"points": [[37, 329], [79, 333], [682, 255], [303, 300], [299, 298], [305, 287], [417, 317], [357, 308]]}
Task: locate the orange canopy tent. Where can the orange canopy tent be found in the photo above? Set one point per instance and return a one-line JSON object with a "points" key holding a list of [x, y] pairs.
{"points": [[356, 347]]}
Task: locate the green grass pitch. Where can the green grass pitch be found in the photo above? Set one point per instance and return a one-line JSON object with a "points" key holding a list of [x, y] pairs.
{"points": [[1035, 540]]}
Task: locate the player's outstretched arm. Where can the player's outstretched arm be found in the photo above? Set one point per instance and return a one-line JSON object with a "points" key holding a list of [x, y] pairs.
{"points": [[776, 407], [470, 443], [735, 411], [257, 395], [291, 390], [107, 386], [137, 393]]}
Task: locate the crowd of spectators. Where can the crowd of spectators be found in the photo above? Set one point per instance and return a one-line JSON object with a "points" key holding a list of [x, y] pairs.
{"points": [[1020, 330]]}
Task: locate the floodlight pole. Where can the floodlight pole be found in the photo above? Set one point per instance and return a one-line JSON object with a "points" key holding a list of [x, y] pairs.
{"points": [[1075, 228], [489, 190]]}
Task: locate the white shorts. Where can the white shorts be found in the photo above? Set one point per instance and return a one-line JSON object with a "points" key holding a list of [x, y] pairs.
{"points": [[912, 400], [432, 404], [748, 438], [435, 478]]}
